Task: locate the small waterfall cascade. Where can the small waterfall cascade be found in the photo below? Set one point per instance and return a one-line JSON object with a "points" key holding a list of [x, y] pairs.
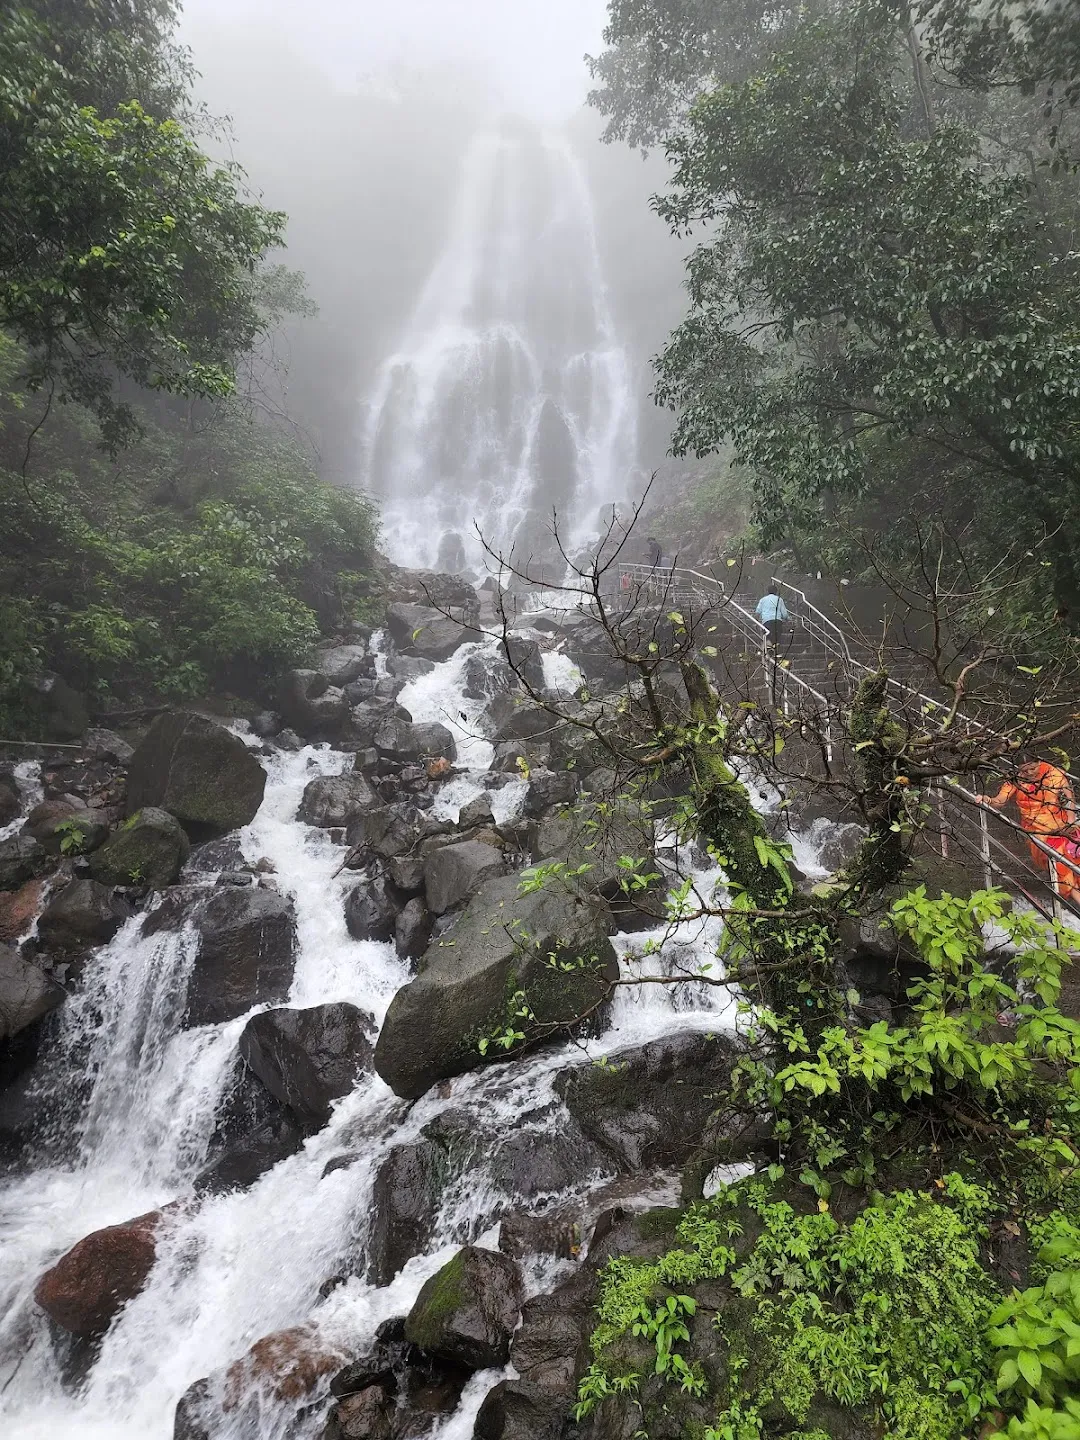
{"points": [[234, 1267], [510, 396]]}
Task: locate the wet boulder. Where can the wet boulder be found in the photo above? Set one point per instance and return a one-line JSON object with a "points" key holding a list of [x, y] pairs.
{"points": [[10, 801], [524, 661], [467, 1311], [601, 836], [149, 849], [406, 741], [366, 719], [515, 718], [21, 859], [409, 667], [287, 1365], [87, 1288], [548, 788], [551, 945], [253, 1132], [404, 1205], [83, 913], [247, 942], [342, 664], [476, 812], [412, 930], [371, 910], [516, 1410], [387, 832], [331, 801], [65, 825], [19, 908], [198, 771], [424, 630], [309, 1058], [108, 745], [27, 993], [311, 705], [652, 1106], [550, 1348], [454, 872], [517, 757]]}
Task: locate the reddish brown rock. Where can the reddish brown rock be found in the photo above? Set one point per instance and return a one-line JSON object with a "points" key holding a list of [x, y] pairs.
{"points": [[289, 1364], [87, 1287], [18, 908], [439, 768]]}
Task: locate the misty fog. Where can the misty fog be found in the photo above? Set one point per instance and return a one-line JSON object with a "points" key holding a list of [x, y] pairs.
{"points": [[363, 123]]}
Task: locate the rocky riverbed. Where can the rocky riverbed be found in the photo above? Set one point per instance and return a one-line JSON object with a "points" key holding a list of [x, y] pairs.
{"points": [[267, 1171]]}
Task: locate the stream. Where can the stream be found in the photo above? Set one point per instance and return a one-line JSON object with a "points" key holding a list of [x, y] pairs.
{"points": [[236, 1267]]}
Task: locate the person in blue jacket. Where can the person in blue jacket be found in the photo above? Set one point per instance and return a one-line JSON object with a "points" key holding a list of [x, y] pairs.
{"points": [[772, 612]]}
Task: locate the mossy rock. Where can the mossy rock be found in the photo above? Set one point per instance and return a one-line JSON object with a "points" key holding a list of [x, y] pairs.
{"points": [[148, 849], [468, 1310], [200, 772]]}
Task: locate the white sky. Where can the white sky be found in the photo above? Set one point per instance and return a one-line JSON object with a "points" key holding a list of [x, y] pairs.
{"points": [[532, 48]]}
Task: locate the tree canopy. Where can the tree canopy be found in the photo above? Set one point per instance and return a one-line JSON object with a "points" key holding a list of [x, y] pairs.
{"points": [[885, 291], [126, 253]]}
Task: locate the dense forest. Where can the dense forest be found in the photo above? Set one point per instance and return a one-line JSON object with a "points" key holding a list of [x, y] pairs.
{"points": [[157, 531], [531, 1007]]}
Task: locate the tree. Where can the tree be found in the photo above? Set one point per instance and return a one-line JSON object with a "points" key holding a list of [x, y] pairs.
{"points": [[886, 285], [126, 255]]}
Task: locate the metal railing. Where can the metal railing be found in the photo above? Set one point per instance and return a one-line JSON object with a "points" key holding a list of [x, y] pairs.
{"points": [[680, 585], [966, 822]]}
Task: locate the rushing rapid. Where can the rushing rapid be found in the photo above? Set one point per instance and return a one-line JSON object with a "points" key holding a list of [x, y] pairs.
{"points": [[233, 1268]]}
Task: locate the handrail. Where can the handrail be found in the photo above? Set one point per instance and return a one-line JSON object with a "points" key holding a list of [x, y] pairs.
{"points": [[823, 620], [834, 641], [752, 628]]}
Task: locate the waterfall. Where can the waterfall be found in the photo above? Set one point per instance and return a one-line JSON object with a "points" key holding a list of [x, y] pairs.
{"points": [[509, 396]]}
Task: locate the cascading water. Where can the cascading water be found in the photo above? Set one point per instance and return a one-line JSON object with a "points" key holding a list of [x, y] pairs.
{"points": [[233, 1268], [510, 395]]}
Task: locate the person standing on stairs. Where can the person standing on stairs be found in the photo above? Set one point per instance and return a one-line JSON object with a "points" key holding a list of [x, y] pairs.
{"points": [[1047, 805], [772, 612]]}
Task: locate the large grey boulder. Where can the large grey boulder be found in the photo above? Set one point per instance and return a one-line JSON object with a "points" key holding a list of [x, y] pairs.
{"points": [[148, 849], [311, 705], [247, 943], [309, 1058], [405, 741], [454, 872], [602, 836], [371, 910], [26, 993], [549, 946], [424, 630], [332, 800], [65, 825], [517, 1410], [404, 1206], [198, 771], [652, 1106], [84, 913], [467, 1311], [513, 717], [342, 664], [21, 858]]}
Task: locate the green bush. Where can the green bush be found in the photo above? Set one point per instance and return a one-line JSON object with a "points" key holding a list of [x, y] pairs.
{"points": [[201, 556]]}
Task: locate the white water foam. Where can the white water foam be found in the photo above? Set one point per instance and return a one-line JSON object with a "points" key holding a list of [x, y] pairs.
{"points": [[234, 1268], [509, 394]]}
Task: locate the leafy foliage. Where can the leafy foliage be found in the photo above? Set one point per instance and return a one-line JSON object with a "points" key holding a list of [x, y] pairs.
{"points": [[208, 554], [145, 256]]}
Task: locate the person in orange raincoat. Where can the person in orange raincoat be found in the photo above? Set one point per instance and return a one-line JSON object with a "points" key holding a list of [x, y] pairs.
{"points": [[1044, 797]]}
